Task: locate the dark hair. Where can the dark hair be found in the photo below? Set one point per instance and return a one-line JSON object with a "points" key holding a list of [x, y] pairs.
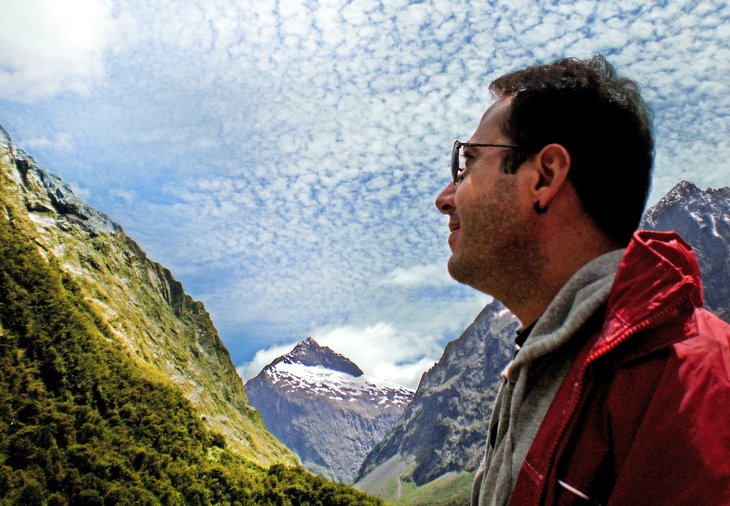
{"points": [[600, 119]]}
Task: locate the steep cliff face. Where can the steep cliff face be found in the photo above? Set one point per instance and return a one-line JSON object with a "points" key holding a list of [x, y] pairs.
{"points": [[144, 307], [444, 428], [322, 406]]}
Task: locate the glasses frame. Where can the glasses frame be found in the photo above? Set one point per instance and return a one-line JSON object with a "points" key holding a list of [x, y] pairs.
{"points": [[456, 169]]}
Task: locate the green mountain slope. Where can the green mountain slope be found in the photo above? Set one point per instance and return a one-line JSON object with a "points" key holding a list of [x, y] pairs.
{"points": [[81, 423], [114, 386], [139, 302]]}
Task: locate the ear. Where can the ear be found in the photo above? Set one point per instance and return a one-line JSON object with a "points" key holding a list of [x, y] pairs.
{"points": [[551, 166]]}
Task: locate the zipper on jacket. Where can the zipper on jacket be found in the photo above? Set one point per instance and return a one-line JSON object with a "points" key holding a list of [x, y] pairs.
{"points": [[579, 384]]}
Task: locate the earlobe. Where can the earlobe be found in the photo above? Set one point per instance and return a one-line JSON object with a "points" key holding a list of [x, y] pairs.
{"points": [[553, 167], [538, 208]]}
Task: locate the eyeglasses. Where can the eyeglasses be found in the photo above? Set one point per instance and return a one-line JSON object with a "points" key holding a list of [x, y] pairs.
{"points": [[458, 161]]}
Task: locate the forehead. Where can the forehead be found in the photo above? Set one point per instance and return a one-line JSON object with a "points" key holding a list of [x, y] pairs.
{"points": [[490, 126]]}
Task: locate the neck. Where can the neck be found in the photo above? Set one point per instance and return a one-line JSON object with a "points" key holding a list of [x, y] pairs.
{"points": [[529, 298]]}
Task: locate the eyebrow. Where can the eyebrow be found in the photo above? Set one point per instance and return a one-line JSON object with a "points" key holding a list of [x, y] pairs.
{"points": [[468, 151]]}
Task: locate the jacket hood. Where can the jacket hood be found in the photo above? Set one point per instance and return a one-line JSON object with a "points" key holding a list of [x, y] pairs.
{"points": [[657, 273]]}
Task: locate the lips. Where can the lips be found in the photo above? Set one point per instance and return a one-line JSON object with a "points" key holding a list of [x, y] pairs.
{"points": [[454, 226]]}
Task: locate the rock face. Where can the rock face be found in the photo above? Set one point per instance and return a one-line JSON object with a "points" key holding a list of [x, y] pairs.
{"points": [[322, 406], [444, 428], [144, 307], [702, 218]]}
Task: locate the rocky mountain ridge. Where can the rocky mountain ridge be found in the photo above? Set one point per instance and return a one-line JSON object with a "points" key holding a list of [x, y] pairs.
{"points": [[322, 406], [444, 427], [310, 354], [144, 307]]}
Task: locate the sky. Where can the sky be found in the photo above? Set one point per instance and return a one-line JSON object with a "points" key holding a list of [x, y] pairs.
{"points": [[282, 158]]}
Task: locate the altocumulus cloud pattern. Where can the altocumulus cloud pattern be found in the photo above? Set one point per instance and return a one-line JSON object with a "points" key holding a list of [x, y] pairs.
{"points": [[282, 157]]}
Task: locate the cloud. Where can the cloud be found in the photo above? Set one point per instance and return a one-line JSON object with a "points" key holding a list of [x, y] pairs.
{"points": [[397, 349], [283, 159], [80, 191], [419, 276], [49, 47], [261, 359], [62, 141], [380, 350], [126, 197]]}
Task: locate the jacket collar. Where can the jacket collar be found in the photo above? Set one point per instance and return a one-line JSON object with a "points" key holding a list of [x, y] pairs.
{"points": [[658, 277]]}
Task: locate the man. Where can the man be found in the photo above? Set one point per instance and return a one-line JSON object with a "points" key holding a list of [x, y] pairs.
{"points": [[619, 392]]}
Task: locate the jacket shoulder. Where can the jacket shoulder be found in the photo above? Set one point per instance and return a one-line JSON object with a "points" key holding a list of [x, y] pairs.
{"points": [[711, 326], [666, 393], [685, 421]]}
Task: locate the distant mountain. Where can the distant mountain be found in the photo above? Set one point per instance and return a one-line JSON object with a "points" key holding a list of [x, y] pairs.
{"points": [[702, 218], [310, 354], [322, 406], [443, 430], [114, 385]]}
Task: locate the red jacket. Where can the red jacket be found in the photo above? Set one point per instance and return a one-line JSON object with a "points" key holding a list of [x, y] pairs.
{"points": [[643, 415]]}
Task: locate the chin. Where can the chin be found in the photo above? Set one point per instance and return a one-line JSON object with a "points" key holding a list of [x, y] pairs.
{"points": [[456, 270]]}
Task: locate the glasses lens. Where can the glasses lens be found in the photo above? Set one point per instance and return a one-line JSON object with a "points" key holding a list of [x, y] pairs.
{"points": [[456, 162]]}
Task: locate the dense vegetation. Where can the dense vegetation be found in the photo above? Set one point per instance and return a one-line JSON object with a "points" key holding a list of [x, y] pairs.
{"points": [[83, 423]]}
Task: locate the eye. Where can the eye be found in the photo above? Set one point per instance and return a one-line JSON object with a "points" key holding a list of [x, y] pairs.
{"points": [[466, 158], [459, 176]]}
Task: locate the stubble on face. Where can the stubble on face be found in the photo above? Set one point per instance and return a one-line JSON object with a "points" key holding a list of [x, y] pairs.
{"points": [[495, 252]]}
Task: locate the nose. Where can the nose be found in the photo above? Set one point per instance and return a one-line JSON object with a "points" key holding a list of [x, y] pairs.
{"points": [[445, 199]]}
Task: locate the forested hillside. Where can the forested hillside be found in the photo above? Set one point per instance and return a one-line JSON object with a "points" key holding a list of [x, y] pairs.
{"points": [[82, 423]]}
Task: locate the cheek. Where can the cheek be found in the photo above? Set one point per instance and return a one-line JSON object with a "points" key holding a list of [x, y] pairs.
{"points": [[464, 197], [471, 205]]}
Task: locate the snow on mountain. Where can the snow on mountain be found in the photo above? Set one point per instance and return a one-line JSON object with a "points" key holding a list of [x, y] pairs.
{"points": [[310, 353], [322, 406], [335, 385]]}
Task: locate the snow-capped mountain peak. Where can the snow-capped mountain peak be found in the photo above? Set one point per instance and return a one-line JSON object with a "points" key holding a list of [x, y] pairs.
{"points": [[321, 372], [685, 204], [336, 385], [321, 405], [310, 353]]}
